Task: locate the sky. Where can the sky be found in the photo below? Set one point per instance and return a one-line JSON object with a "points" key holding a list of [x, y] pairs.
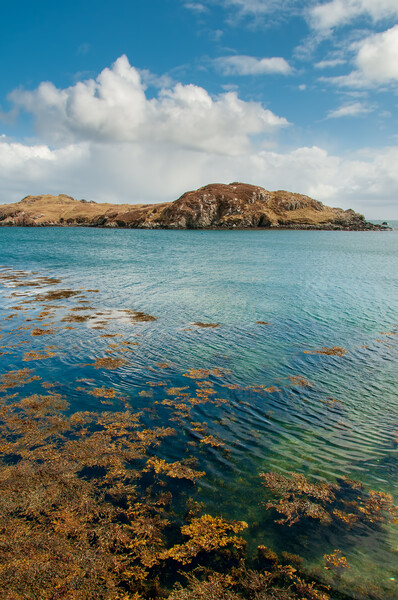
{"points": [[139, 101]]}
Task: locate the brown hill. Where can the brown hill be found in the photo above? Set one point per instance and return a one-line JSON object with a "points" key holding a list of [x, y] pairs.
{"points": [[214, 206]]}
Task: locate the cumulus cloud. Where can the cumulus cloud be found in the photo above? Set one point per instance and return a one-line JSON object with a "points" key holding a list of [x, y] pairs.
{"points": [[249, 65], [355, 109], [358, 182], [38, 167], [104, 140], [336, 13], [377, 57], [114, 108], [376, 61], [135, 173]]}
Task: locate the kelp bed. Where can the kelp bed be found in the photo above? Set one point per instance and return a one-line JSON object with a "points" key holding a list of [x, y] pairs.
{"points": [[90, 509]]}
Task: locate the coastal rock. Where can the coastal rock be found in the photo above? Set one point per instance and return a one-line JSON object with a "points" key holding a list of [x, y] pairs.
{"points": [[214, 206]]}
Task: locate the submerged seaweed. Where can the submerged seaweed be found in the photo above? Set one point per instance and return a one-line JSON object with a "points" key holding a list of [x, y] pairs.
{"points": [[297, 498], [77, 516], [90, 508]]}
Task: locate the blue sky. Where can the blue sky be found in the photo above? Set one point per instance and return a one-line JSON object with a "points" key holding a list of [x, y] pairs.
{"points": [[140, 100]]}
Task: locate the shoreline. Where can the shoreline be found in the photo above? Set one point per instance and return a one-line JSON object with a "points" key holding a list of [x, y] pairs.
{"points": [[374, 227]]}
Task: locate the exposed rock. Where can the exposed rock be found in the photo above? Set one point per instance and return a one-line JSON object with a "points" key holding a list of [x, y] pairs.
{"points": [[214, 206]]}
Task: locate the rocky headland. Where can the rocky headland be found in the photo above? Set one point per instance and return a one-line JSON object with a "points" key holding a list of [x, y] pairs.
{"points": [[214, 206]]}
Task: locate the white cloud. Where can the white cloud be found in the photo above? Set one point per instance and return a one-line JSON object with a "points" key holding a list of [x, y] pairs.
{"points": [[322, 16], [376, 61], [259, 7], [255, 11], [114, 108], [352, 80], [37, 158], [149, 79], [249, 65], [327, 64], [355, 109], [367, 182], [215, 35], [37, 167], [104, 140], [10, 116], [196, 7], [336, 13], [148, 172], [377, 56]]}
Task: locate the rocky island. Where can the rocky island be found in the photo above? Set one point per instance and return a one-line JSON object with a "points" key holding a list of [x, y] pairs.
{"points": [[214, 206]]}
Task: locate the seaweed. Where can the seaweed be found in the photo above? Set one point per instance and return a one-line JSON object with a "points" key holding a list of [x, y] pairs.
{"points": [[345, 502], [37, 355], [334, 351], [69, 510], [176, 470], [203, 373], [71, 318], [300, 381], [211, 441], [108, 363], [206, 534], [19, 378], [36, 332], [103, 392], [137, 316], [336, 562], [53, 295], [90, 508]]}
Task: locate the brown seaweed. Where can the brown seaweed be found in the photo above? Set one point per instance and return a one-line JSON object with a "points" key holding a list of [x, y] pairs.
{"points": [[37, 355], [334, 351], [108, 363], [38, 332], [297, 498], [53, 295], [206, 534], [18, 378], [300, 381]]}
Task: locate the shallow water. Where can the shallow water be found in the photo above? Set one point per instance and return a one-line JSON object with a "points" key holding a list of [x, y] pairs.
{"points": [[325, 416]]}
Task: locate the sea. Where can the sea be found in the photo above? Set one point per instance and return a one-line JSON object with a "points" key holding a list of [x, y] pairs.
{"points": [[295, 334]]}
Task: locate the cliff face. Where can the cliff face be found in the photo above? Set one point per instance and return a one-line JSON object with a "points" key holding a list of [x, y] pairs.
{"points": [[239, 205], [215, 206]]}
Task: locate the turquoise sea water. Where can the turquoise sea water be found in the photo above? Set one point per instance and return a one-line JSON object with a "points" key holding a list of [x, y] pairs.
{"points": [[286, 408]]}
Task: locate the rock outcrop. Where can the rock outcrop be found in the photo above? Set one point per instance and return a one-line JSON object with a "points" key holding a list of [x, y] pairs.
{"points": [[214, 206]]}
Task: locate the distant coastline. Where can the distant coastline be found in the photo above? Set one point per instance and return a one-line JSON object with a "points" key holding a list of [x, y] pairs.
{"points": [[391, 223], [214, 206]]}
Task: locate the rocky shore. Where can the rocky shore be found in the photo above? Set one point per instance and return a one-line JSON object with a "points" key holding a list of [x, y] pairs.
{"points": [[214, 206]]}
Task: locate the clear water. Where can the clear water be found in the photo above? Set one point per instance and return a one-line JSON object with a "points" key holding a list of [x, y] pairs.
{"points": [[314, 289]]}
